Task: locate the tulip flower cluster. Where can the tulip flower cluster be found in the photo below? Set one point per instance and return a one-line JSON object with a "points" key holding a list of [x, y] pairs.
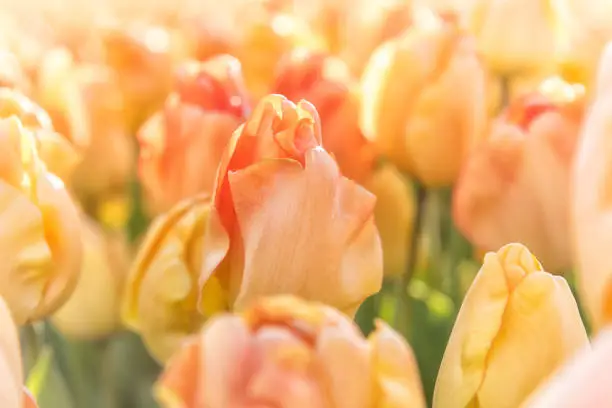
{"points": [[305, 204]]}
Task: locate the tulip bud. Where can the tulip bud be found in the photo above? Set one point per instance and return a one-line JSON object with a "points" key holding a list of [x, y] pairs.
{"points": [[40, 241], [59, 154], [161, 293], [424, 101], [12, 392], [516, 186], [517, 36], [582, 382], [591, 200], [517, 325], [286, 352], [181, 146], [284, 220], [12, 74], [324, 81], [93, 309]]}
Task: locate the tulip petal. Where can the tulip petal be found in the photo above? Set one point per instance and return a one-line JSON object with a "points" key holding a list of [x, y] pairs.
{"points": [[11, 394]]}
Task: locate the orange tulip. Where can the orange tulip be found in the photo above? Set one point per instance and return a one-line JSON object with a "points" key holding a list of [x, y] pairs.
{"points": [[324, 81], [160, 300], [515, 187], [12, 393], [266, 34], [289, 353], [92, 311], [59, 153], [424, 101], [517, 36], [40, 240], [517, 325], [284, 220], [583, 382], [591, 202], [181, 146]]}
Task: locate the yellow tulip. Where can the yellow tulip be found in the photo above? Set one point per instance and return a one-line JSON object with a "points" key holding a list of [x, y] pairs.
{"points": [[93, 309], [591, 201], [40, 237], [12, 392], [583, 382], [424, 100], [289, 353], [517, 325], [162, 288]]}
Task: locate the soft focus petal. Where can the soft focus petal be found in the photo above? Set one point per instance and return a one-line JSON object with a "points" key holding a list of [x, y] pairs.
{"points": [[11, 375], [513, 313]]}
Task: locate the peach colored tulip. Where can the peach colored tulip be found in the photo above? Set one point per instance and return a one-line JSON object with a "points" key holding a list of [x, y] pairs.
{"points": [[424, 100], [284, 220], [181, 146], [12, 392], [12, 74], [517, 36], [59, 153], [515, 186], [97, 176], [160, 300], [40, 238], [265, 35], [591, 202], [289, 353], [394, 216], [517, 325], [324, 81], [93, 309], [583, 382]]}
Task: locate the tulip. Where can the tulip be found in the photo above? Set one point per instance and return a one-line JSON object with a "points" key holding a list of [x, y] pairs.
{"points": [[591, 202], [394, 216], [284, 220], [12, 74], [98, 176], [324, 81], [266, 35], [93, 309], [12, 392], [424, 101], [516, 186], [518, 36], [40, 238], [582, 382], [160, 300], [57, 152], [289, 353], [181, 146], [517, 325]]}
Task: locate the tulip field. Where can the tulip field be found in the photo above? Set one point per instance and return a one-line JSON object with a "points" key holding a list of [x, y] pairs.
{"points": [[306, 204]]}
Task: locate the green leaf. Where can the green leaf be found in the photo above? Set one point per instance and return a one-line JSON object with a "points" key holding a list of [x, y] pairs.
{"points": [[39, 373]]}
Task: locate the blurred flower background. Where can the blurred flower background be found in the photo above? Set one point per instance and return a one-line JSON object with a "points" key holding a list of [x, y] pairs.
{"points": [[305, 203]]}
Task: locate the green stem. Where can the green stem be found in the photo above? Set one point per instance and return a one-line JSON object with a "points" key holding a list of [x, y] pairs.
{"points": [[505, 91], [402, 312]]}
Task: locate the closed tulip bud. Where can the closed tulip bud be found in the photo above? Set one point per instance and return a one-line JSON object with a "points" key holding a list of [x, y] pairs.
{"points": [[289, 353], [516, 186], [394, 216], [285, 220], [12, 393], [591, 201], [266, 35], [40, 241], [59, 154], [582, 382], [518, 36], [424, 101], [97, 176], [324, 81], [161, 294], [517, 325], [93, 309], [181, 146]]}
